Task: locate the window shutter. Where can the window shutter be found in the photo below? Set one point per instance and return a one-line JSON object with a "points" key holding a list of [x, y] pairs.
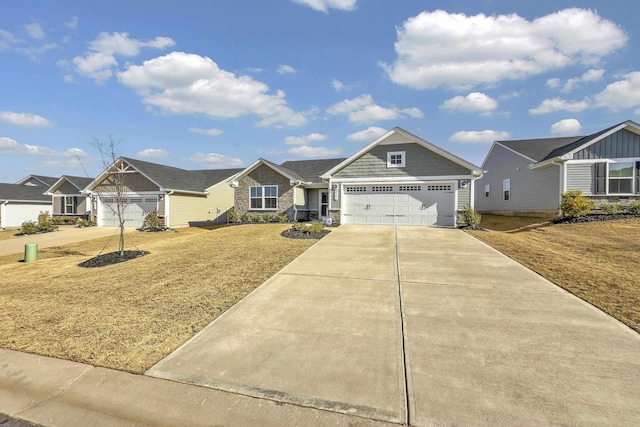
{"points": [[637, 177], [601, 178]]}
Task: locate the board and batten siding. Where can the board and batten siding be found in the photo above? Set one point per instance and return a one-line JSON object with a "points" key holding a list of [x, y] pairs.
{"points": [[532, 190], [620, 145], [133, 183], [186, 208], [419, 161], [580, 176]]}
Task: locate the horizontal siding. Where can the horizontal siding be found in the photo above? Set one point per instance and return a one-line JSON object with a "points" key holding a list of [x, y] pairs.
{"points": [[580, 176], [620, 145], [464, 197], [531, 190], [302, 201], [419, 162], [189, 208]]}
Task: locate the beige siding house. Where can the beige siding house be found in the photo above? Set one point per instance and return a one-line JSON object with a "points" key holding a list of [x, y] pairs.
{"points": [[181, 197]]}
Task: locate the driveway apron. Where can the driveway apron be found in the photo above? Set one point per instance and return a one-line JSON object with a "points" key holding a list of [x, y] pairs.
{"points": [[420, 325]]}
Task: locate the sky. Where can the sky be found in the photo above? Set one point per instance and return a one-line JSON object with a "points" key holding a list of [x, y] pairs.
{"points": [[205, 84]]}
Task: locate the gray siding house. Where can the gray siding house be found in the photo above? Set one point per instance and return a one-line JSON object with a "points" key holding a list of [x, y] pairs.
{"points": [[398, 179], [527, 177], [68, 199]]}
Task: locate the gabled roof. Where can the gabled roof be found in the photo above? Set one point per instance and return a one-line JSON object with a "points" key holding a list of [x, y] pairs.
{"points": [[413, 138], [169, 178], [284, 171], [80, 182], [538, 149], [23, 193], [47, 181], [311, 170]]}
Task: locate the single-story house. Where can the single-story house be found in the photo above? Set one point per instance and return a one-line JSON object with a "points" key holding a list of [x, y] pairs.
{"points": [[38, 180], [67, 197], [22, 202], [398, 179], [528, 177], [181, 197]]}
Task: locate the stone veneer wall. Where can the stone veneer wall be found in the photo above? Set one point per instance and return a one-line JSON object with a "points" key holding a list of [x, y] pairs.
{"points": [[264, 175]]}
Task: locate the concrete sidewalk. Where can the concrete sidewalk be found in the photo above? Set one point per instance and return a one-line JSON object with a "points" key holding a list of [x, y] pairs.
{"points": [[66, 234]]}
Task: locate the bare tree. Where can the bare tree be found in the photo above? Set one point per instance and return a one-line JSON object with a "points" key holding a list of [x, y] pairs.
{"points": [[111, 190]]}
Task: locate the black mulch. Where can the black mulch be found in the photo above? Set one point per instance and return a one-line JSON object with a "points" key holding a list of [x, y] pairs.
{"points": [[595, 218], [112, 258], [295, 234]]}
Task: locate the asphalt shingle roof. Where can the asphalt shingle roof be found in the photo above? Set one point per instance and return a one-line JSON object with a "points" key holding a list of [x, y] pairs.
{"points": [[80, 182], [48, 180], [539, 149], [311, 170], [23, 192], [171, 178]]}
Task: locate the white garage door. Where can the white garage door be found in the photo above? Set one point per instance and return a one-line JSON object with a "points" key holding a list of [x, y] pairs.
{"points": [[135, 209], [422, 204]]}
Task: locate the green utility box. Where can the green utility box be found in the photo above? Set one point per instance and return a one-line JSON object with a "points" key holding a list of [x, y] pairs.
{"points": [[30, 252]]}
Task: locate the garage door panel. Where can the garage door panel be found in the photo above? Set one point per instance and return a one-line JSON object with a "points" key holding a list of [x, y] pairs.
{"points": [[135, 209], [425, 204]]}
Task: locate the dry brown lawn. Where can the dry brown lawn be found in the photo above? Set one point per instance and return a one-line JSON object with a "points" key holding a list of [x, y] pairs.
{"points": [[128, 316], [7, 234], [598, 262]]}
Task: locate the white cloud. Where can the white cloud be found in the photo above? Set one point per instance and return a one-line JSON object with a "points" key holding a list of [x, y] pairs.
{"points": [[34, 30], [286, 69], [552, 105], [153, 153], [24, 119], [305, 139], [478, 137], [10, 146], [33, 52], [72, 23], [210, 132], [363, 109], [325, 5], [314, 152], [254, 70], [337, 85], [99, 61], [182, 83], [475, 102], [592, 75], [489, 49], [370, 134], [7, 39], [554, 82], [216, 160], [566, 126], [622, 94], [510, 95]]}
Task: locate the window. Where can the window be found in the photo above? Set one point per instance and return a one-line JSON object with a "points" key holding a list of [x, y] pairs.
{"points": [[506, 190], [381, 189], [438, 187], [264, 197], [395, 159], [69, 205], [353, 189], [621, 178], [410, 188], [487, 190]]}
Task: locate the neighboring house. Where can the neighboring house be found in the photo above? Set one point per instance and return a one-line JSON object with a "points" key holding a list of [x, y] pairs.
{"points": [[529, 176], [397, 179], [67, 197], [38, 180], [181, 197], [22, 202]]}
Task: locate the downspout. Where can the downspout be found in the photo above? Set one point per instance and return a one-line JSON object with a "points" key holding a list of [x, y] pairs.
{"points": [[295, 208], [562, 183], [167, 209], [3, 211]]}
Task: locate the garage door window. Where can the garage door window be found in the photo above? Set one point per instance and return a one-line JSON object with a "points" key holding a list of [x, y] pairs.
{"points": [[264, 197], [438, 187]]}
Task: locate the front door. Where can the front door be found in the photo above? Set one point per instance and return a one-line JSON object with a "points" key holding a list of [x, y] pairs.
{"points": [[324, 203]]}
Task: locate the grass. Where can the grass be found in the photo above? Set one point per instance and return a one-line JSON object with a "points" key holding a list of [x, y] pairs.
{"points": [[596, 261], [7, 234], [129, 316]]}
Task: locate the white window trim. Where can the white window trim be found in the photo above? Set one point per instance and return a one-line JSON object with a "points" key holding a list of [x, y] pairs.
{"points": [[263, 198], [403, 159], [66, 205], [632, 177], [505, 181]]}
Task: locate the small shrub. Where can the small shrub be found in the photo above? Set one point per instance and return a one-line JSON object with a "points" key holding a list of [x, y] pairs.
{"points": [[574, 204], [634, 207], [244, 218], [45, 223], [283, 217], [255, 218], [63, 220], [28, 227], [81, 222], [299, 226], [268, 217], [471, 217], [316, 227], [610, 209], [233, 216], [313, 228], [152, 222]]}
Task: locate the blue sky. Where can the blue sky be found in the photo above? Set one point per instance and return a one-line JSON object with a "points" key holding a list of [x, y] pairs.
{"points": [[217, 84]]}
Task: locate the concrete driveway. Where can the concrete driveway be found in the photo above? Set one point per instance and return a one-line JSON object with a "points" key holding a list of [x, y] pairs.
{"points": [[422, 326], [65, 234]]}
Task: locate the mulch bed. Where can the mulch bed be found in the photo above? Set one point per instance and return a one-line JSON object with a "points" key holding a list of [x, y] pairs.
{"points": [[595, 218], [112, 258], [295, 234]]}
